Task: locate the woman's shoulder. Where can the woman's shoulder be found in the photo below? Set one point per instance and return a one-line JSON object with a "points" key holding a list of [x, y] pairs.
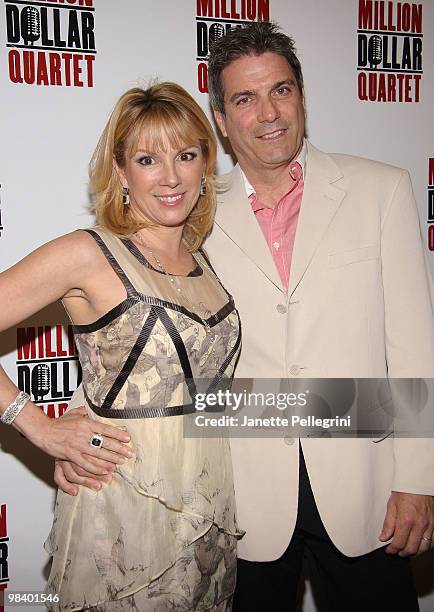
{"points": [[78, 247], [85, 238], [77, 240]]}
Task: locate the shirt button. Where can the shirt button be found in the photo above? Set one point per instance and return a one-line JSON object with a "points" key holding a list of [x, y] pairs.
{"points": [[281, 308], [294, 370], [276, 245], [289, 441]]}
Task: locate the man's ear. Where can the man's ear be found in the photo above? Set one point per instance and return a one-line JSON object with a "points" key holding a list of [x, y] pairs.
{"points": [[221, 122]]}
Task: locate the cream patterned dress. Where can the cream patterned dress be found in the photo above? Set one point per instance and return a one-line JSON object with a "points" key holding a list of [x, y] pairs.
{"points": [[163, 535]]}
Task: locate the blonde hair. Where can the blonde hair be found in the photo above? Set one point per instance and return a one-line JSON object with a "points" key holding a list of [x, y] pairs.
{"points": [[163, 112]]}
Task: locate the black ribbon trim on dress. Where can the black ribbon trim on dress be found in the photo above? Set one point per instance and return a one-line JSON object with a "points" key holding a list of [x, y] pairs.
{"points": [[132, 358], [180, 349], [211, 321], [141, 412], [197, 271], [228, 359], [131, 291], [118, 310], [207, 261], [110, 316]]}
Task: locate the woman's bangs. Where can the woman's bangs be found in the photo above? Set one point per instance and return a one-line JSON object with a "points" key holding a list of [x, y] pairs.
{"points": [[161, 128]]}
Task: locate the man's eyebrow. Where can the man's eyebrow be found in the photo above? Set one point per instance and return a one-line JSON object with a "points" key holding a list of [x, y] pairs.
{"points": [[251, 92], [289, 81], [237, 94]]}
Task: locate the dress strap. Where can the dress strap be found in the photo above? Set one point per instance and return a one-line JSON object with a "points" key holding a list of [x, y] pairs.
{"points": [[131, 291], [208, 263]]}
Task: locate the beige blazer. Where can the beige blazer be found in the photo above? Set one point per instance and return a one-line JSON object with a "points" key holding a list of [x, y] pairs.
{"points": [[358, 305]]}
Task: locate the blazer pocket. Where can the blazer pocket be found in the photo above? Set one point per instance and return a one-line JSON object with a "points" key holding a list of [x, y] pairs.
{"points": [[383, 437], [344, 258]]}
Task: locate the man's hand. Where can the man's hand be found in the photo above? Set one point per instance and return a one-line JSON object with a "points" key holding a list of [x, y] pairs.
{"points": [[409, 522], [67, 475]]}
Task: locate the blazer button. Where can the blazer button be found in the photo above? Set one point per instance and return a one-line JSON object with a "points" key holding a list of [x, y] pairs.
{"points": [[289, 441], [294, 370], [281, 308]]}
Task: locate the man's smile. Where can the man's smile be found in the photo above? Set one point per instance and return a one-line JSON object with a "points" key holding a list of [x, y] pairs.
{"points": [[274, 135]]}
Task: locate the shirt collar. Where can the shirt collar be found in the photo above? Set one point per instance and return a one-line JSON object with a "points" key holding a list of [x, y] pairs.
{"points": [[301, 159]]}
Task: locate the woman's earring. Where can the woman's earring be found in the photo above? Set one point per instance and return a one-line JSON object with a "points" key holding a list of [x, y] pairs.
{"points": [[125, 196], [202, 191]]}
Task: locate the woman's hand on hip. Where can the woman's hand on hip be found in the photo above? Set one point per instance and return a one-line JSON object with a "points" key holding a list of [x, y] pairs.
{"points": [[69, 437]]}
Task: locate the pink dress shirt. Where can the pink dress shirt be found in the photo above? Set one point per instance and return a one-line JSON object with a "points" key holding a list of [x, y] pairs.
{"points": [[279, 224]]}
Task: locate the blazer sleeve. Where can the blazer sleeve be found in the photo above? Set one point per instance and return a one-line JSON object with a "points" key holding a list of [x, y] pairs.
{"points": [[409, 327]]}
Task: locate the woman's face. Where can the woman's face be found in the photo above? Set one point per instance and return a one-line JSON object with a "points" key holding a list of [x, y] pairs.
{"points": [[164, 186]]}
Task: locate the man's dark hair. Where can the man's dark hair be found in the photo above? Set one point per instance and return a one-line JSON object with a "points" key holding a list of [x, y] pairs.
{"points": [[254, 39]]}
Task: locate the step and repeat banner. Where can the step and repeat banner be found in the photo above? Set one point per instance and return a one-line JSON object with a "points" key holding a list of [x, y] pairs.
{"points": [[369, 75]]}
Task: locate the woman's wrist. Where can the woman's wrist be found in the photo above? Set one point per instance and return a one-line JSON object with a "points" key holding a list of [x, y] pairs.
{"points": [[31, 422], [14, 408], [30, 419]]}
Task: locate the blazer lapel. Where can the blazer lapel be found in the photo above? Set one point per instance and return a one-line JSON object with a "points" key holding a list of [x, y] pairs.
{"points": [[321, 200], [236, 218]]}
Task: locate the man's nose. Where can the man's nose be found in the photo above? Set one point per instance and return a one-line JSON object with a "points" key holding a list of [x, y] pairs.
{"points": [[268, 110]]}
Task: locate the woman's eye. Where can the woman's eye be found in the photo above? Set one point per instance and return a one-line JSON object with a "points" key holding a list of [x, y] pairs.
{"points": [[187, 156], [146, 160]]}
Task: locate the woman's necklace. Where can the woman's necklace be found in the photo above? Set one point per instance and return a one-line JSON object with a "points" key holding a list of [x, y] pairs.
{"points": [[174, 282]]}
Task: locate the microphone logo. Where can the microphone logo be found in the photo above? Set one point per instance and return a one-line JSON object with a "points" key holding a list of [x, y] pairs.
{"points": [[375, 51], [30, 25], [40, 381], [216, 31]]}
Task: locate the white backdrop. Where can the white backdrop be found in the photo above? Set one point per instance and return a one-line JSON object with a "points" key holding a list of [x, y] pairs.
{"points": [[50, 125]]}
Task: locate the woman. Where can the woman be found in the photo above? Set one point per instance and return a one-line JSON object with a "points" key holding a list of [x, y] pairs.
{"points": [[148, 314]]}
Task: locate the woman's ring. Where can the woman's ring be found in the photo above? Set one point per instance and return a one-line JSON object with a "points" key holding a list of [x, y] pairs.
{"points": [[96, 440]]}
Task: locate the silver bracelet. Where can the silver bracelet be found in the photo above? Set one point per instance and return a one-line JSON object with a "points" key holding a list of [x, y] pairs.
{"points": [[14, 409]]}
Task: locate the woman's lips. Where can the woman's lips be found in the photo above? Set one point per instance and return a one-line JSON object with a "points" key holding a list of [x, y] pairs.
{"points": [[173, 199]]}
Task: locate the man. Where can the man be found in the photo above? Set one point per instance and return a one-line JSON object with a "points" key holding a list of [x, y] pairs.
{"points": [[324, 259]]}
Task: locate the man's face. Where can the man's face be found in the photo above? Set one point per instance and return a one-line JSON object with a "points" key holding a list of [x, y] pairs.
{"points": [[264, 111]]}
